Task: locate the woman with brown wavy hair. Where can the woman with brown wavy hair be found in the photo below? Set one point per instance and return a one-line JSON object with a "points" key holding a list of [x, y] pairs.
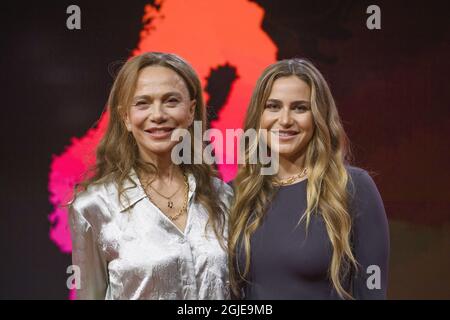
{"points": [[143, 227], [317, 229]]}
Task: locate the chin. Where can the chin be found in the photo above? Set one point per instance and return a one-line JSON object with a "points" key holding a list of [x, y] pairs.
{"points": [[286, 155], [160, 148], [285, 149], [289, 152]]}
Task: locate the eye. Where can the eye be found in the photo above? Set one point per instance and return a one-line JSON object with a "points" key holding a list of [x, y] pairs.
{"points": [[172, 101], [141, 104], [272, 106], [300, 108]]}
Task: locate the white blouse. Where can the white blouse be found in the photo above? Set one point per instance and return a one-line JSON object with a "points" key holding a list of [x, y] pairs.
{"points": [[134, 251]]}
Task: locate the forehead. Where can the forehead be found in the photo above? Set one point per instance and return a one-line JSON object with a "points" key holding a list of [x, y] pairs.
{"points": [[290, 88], [157, 80]]}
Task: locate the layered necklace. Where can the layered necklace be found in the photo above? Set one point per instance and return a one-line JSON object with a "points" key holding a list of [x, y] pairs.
{"points": [[169, 199]]}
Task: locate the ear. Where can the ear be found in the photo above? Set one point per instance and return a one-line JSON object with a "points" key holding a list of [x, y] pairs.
{"points": [[125, 117], [192, 106]]}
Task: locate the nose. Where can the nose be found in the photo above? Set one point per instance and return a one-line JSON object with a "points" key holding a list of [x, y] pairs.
{"points": [[158, 114], [285, 117]]}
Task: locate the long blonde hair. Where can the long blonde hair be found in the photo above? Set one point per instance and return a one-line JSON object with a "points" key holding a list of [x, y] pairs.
{"points": [[117, 152], [325, 159]]}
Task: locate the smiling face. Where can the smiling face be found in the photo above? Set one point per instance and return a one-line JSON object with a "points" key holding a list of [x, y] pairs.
{"points": [[287, 114], [161, 104]]}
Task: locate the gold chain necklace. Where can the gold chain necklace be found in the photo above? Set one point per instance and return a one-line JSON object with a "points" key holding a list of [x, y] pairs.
{"points": [[182, 209], [291, 179], [169, 198]]}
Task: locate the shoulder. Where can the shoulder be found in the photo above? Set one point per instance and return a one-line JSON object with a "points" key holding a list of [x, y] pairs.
{"points": [[88, 196], [221, 185], [224, 190], [91, 204], [359, 179], [355, 172], [365, 196]]}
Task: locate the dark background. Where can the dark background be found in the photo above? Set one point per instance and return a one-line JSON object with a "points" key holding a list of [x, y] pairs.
{"points": [[391, 87]]}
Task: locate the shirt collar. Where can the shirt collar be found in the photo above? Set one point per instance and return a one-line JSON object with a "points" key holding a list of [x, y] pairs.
{"points": [[134, 191]]}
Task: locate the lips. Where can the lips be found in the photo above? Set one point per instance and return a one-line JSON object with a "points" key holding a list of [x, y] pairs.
{"points": [[285, 133], [160, 132]]}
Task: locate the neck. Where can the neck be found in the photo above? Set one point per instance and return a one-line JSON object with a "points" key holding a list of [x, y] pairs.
{"points": [[289, 167], [163, 162]]}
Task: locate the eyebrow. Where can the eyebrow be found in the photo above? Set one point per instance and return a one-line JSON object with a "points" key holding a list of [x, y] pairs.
{"points": [[164, 96], [293, 102]]}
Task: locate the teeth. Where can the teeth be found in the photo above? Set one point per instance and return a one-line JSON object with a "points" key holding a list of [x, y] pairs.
{"points": [[284, 134], [160, 130]]}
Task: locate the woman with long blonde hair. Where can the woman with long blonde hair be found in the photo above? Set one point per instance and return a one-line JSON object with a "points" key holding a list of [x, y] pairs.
{"points": [[316, 229], [142, 225]]}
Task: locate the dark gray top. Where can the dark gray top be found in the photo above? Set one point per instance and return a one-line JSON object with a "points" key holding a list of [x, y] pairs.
{"points": [[285, 264]]}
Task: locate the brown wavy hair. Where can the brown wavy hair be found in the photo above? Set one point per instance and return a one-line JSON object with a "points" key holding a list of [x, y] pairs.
{"points": [[325, 159], [117, 152]]}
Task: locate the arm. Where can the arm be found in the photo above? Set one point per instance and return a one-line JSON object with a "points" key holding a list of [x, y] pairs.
{"points": [[88, 257], [370, 240]]}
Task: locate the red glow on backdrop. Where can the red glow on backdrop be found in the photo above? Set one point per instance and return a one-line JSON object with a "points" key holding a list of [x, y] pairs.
{"points": [[206, 33]]}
